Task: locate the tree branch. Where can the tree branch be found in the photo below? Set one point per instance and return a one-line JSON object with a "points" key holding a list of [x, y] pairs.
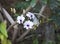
{"points": [[1, 17], [11, 21], [7, 16], [41, 11], [23, 35], [11, 26]]}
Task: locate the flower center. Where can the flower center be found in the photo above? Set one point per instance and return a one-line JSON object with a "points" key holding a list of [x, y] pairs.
{"points": [[27, 25], [31, 15], [20, 20]]}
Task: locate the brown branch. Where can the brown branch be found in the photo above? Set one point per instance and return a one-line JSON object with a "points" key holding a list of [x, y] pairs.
{"points": [[39, 35], [41, 11], [27, 37], [1, 17], [23, 35], [15, 33], [7, 16], [28, 9], [11, 26]]}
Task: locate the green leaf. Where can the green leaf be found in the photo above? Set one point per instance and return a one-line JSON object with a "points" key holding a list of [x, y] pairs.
{"points": [[3, 29], [1, 36], [35, 41], [9, 42], [44, 1], [22, 5], [5, 41], [33, 3]]}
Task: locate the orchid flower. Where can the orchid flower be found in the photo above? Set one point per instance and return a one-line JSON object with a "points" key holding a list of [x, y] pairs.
{"points": [[20, 19], [28, 24], [30, 15]]}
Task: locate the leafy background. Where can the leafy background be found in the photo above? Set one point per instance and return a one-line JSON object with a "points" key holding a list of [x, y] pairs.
{"points": [[19, 5]]}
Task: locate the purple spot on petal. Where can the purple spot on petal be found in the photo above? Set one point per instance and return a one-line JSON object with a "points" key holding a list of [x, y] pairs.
{"points": [[27, 25], [20, 20], [31, 15]]}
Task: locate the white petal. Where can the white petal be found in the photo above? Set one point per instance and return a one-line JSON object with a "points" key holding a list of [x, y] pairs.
{"points": [[24, 26], [20, 18], [18, 22], [30, 27], [27, 28], [29, 15], [28, 23]]}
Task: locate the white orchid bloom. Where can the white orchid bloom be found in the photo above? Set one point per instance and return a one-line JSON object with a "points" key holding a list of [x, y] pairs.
{"points": [[28, 24], [20, 19], [30, 15]]}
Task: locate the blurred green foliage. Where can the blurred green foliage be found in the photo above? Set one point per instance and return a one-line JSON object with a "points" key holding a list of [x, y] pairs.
{"points": [[3, 29], [3, 34], [22, 5]]}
